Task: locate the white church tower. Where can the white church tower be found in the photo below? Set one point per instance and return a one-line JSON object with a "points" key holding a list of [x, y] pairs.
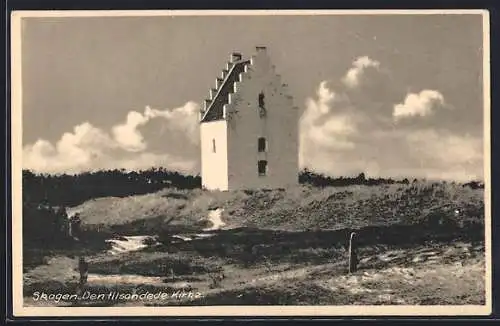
{"points": [[249, 128]]}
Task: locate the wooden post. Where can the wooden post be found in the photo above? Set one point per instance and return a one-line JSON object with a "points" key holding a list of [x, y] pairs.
{"points": [[83, 267], [353, 253]]}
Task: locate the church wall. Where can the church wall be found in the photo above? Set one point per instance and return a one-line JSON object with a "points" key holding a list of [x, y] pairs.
{"points": [[214, 167], [245, 126]]}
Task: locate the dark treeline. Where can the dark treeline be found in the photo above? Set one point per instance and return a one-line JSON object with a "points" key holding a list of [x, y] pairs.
{"points": [[71, 190], [320, 180]]}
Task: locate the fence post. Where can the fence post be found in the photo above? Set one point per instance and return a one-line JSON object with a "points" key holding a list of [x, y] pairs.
{"points": [[353, 253], [172, 274], [83, 267]]}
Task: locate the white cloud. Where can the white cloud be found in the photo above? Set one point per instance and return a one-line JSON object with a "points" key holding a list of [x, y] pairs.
{"points": [[359, 66], [74, 150], [322, 126], [316, 108], [421, 104], [127, 134], [339, 136], [184, 118], [38, 156], [88, 148]]}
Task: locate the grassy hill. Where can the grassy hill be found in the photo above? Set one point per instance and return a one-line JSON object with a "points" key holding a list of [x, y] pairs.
{"points": [[301, 208]]}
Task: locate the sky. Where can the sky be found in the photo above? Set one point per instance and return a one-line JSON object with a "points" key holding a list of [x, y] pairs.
{"points": [[387, 95]]}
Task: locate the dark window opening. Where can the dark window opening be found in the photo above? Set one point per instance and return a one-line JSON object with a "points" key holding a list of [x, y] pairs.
{"points": [[262, 165], [261, 99], [262, 144], [213, 145], [262, 109]]}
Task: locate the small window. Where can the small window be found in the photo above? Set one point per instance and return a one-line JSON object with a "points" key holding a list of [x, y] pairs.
{"points": [[262, 144], [262, 166], [261, 100], [262, 109], [213, 145]]}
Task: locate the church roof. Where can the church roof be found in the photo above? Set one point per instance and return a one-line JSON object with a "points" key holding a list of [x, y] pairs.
{"points": [[216, 109]]}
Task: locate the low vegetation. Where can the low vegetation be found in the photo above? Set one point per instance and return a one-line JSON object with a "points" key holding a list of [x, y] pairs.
{"points": [[298, 235]]}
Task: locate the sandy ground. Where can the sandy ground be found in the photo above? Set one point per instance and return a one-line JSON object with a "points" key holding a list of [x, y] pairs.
{"points": [[418, 276]]}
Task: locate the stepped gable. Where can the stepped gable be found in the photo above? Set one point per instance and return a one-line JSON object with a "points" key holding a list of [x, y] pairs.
{"points": [[220, 97]]}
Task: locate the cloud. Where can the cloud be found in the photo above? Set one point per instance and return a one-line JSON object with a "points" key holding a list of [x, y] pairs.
{"points": [[324, 124], [444, 147], [421, 104], [88, 148], [361, 65], [127, 135], [353, 125], [342, 134], [75, 149], [182, 119]]}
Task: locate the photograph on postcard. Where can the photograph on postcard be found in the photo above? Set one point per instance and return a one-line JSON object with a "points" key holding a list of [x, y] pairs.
{"points": [[236, 159]]}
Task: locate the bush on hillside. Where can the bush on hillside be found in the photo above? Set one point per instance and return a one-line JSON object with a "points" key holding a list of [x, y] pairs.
{"points": [[44, 225]]}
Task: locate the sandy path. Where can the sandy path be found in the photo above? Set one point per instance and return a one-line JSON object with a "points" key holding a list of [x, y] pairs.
{"points": [[127, 244], [215, 217]]}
